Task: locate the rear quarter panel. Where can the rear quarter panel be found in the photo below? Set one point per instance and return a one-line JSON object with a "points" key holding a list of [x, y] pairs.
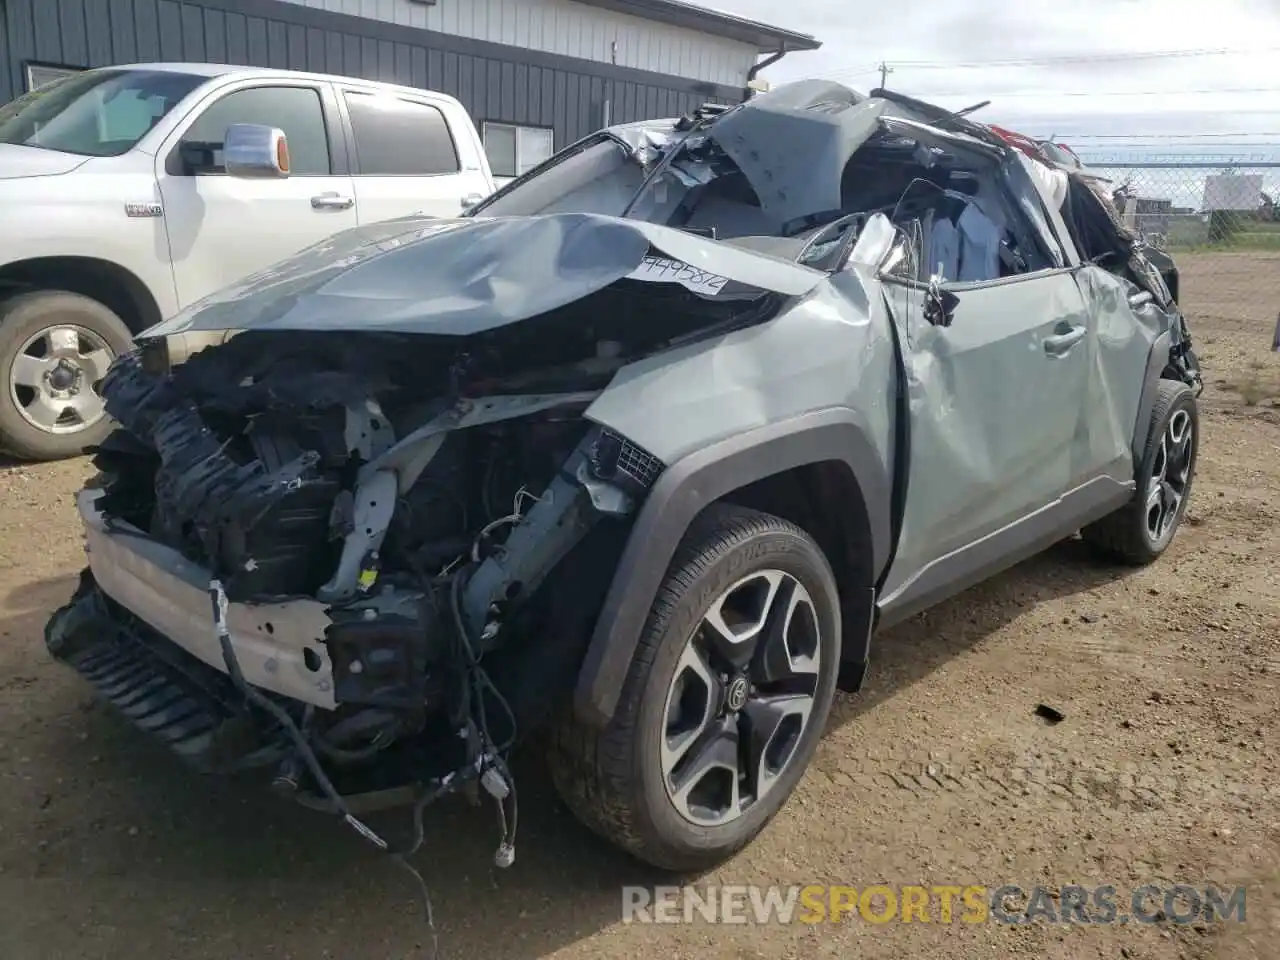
{"points": [[1123, 337]]}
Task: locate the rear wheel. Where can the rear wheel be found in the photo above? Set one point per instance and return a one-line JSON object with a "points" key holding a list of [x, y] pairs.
{"points": [[1142, 529], [724, 702], [55, 348]]}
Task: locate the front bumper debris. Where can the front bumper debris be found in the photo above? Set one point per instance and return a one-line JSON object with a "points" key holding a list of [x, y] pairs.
{"points": [[280, 646], [158, 686], [196, 711]]}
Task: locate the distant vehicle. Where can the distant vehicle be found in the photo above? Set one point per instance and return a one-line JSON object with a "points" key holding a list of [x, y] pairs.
{"points": [[1061, 153], [121, 202], [1029, 145], [643, 450], [1047, 151]]}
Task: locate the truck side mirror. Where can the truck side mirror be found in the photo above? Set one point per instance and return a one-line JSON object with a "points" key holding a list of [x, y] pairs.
{"points": [[253, 151]]}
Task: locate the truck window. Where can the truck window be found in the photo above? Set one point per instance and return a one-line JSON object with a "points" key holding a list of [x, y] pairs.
{"points": [[397, 137], [295, 110], [100, 113]]}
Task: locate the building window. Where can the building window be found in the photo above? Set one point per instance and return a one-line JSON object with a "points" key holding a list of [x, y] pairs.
{"points": [[39, 75], [514, 150]]}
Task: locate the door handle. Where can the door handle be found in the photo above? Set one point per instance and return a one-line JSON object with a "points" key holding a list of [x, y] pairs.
{"points": [[332, 201], [471, 199], [1140, 299], [1060, 343]]}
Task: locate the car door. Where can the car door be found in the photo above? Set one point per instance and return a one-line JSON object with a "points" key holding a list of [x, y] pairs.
{"points": [[996, 400], [406, 158], [223, 228]]}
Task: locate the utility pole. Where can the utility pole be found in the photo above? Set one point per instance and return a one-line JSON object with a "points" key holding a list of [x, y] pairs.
{"points": [[885, 70]]}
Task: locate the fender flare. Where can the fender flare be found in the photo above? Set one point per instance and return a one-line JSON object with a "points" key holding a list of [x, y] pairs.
{"points": [[683, 490], [1157, 360]]}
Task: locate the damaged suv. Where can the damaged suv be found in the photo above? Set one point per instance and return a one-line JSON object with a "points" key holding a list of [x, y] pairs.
{"points": [[640, 452]]}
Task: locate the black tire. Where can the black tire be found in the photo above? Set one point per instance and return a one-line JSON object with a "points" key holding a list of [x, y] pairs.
{"points": [[23, 317], [1126, 534], [611, 777]]}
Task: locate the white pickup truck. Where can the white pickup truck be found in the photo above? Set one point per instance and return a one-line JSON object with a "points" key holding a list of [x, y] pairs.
{"points": [[118, 208]]}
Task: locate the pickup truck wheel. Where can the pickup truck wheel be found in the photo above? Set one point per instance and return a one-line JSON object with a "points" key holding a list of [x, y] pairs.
{"points": [[725, 700], [55, 348], [1142, 529]]}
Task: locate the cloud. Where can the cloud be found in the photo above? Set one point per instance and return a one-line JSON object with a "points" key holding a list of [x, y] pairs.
{"points": [[1091, 88]]}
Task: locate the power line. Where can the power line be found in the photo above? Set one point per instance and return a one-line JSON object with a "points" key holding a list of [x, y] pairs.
{"points": [[998, 95], [1242, 156], [1164, 136], [1194, 145], [1083, 58], [850, 72], [890, 67], [1198, 149]]}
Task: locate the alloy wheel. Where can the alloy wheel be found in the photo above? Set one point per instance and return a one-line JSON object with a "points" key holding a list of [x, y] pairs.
{"points": [[740, 698], [1170, 477]]}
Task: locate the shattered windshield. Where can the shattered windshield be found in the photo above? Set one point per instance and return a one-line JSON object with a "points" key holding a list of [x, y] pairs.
{"points": [[599, 176], [770, 167], [700, 189]]}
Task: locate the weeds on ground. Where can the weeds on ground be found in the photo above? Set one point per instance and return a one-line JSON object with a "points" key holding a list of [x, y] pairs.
{"points": [[1258, 384]]}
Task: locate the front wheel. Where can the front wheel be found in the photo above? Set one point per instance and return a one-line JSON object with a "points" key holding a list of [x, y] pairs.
{"points": [[725, 700], [55, 348], [1142, 529]]}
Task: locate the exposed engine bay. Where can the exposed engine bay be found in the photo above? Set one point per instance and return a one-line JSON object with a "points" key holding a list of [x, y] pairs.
{"points": [[316, 471]]}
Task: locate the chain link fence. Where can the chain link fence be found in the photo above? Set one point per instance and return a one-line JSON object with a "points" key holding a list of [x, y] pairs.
{"points": [[1219, 218]]}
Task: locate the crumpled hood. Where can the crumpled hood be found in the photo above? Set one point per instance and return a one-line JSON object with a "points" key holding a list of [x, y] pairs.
{"points": [[18, 161], [461, 276]]}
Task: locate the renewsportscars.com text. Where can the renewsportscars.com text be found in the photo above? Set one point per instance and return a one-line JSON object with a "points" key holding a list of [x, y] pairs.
{"points": [[971, 904]]}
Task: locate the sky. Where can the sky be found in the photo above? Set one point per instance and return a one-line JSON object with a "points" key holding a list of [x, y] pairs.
{"points": [[1094, 93]]}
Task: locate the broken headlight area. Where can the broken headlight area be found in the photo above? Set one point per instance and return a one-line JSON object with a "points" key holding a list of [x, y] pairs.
{"points": [[401, 577]]}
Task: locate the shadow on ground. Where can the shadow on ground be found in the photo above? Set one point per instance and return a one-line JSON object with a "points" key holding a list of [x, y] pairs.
{"points": [[8, 462], [910, 651], [147, 857]]}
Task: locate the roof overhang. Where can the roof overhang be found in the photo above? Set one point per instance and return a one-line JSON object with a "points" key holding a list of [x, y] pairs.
{"points": [[677, 13]]}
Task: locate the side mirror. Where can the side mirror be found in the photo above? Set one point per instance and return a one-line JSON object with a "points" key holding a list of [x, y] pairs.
{"points": [[939, 305], [253, 151]]}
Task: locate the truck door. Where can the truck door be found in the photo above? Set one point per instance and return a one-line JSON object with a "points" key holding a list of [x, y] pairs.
{"points": [[223, 228]]}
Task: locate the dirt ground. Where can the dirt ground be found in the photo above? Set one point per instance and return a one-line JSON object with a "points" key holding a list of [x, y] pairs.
{"points": [[1164, 770]]}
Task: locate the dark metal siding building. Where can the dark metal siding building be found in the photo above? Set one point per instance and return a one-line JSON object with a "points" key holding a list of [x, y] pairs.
{"points": [[512, 83]]}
